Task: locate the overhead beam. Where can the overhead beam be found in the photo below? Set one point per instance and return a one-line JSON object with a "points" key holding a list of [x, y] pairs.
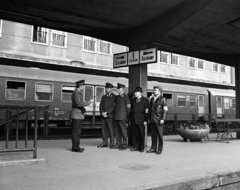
{"points": [[166, 21]]}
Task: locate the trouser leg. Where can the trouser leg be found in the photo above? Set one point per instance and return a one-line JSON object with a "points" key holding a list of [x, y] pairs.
{"points": [[141, 135], [110, 124], [104, 132], [154, 136], [118, 133], [124, 131], [76, 132], [135, 135], [160, 137]]}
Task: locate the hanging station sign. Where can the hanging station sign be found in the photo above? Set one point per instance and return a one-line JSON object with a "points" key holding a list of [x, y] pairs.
{"points": [[144, 56]]}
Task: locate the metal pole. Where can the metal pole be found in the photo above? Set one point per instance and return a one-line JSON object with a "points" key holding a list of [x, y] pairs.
{"points": [[7, 129], [46, 124], [26, 132], [35, 135], [16, 145]]}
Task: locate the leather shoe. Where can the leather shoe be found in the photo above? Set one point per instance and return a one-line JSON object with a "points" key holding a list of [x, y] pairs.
{"points": [[118, 146], [111, 147], [134, 149], [151, 151], [102, 146], [141, 150], [78, 150], [123, 148], [159, 152]]}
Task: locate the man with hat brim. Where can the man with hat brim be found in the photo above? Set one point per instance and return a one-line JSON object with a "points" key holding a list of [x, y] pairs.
{"points": [[77, 115], [138, 119], [122, 111], [107, 106], [157, 115]]}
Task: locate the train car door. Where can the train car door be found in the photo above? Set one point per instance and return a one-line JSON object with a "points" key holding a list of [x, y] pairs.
{"points": [[219, 106], [201, 105], [99, 92], [89, 97]]}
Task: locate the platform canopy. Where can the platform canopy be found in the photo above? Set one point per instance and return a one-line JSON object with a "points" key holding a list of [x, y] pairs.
{"points": [[206, 29]]}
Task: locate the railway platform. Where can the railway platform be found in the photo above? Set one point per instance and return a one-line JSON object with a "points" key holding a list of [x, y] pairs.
{"points": [[182, 166]]}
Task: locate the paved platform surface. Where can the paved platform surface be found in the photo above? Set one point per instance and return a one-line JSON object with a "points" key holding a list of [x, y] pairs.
{"points": [[104, 168]]}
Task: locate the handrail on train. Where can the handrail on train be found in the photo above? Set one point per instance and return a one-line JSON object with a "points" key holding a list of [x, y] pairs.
{"points": [[8, 119]]}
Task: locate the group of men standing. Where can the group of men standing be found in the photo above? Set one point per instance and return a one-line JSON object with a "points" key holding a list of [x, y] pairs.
{"points": [[118, 113]]}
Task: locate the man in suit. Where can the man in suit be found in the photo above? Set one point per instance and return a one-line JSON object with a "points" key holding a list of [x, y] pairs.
{"points": [[122, 111], [157, 114], [138, 119], [77, 115], [107, 106]]}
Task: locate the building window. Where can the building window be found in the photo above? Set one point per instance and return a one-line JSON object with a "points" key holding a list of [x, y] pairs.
{"points": [[40, 35], [67, 93], [215, 67], [15, 90], [44, 92], [182, 100], [89, 44], [233, 103], [175, 59], [193, 101], [191, 62], [0, 28], [105, 47], [200, 64], [226, 103], [223, 69], [164, 57], [59, 38]]}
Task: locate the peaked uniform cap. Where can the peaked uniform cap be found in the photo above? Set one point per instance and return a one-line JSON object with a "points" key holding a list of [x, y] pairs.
{"points": [[109, 85], [120, 85], [159, 87], [138, 89], [80, 82]]}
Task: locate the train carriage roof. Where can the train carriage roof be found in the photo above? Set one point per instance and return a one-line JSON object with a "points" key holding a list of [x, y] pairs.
{"points": [[168, 87], [220, 92]]}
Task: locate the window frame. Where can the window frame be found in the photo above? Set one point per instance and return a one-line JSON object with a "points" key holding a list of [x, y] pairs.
{"points": [[231, 103], [168, 57], [169, 99], [228, 103], [99, 48], [173, 54], [62, 92], [45, 92], [65, 40], [213, 67], [203, 64], [47, 37], [224, 69], [195, 63], [25, 91], [185, 101], [90, 38], [192, 101]]}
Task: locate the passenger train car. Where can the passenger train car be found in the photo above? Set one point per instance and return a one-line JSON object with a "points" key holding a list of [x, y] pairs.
{"points": [[29, 86]]}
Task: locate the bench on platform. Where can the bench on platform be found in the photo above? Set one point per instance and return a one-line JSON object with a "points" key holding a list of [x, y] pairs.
{"points": [[225, 127]]}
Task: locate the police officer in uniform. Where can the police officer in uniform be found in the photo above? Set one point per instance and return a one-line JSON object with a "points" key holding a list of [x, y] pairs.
{"points": [[107, 106], [122, 111], [157, 114], [138, 119], [77, 115]]}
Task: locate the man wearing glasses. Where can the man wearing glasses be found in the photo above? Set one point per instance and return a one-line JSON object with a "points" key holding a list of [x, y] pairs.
{"points": [[77, 115]]}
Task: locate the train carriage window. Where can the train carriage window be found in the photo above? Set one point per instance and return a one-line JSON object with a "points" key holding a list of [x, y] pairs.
{"points": [[233, 103], [88, 93], [169, 99], [226, 103], [67, 93], [182, 100], [219, 102], [15, 90], [193, 101], [100, 91], [44, 92]]}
